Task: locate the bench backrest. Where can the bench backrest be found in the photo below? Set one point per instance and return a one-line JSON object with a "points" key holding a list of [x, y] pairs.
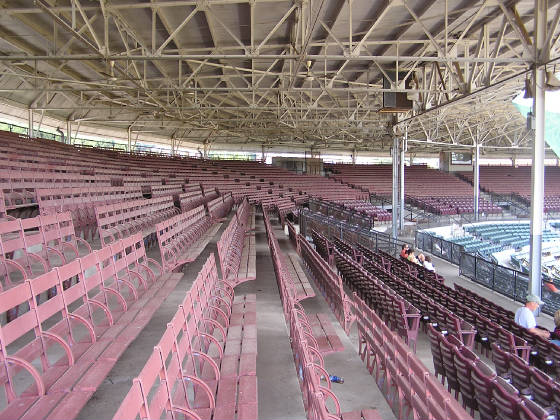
{"points": [[225, 243], [169, 381], [168, 230], [111, 215]]}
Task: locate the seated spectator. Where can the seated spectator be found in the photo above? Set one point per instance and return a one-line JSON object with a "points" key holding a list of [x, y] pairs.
{"points": [[404, 251], [428, 264], [525, 316], [411, 257], [551, 287], [555, 335], [421, 259]]}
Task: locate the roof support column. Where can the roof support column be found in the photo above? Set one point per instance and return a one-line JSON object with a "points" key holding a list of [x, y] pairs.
{"points": [[476, 180], [537, 173], [69, 132], [401, 179], [395, 203], [129, 138], [30, 123]]}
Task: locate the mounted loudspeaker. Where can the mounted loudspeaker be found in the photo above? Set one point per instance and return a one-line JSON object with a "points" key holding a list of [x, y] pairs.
{"points": [[394, 102]]}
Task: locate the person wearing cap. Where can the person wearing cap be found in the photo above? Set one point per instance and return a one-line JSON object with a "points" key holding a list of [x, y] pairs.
{"points": [[525, 316]]}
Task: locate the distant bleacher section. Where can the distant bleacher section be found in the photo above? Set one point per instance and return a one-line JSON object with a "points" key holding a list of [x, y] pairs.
{"points": [[429, 189], [488, 238], [507, 180], [44, 174]]}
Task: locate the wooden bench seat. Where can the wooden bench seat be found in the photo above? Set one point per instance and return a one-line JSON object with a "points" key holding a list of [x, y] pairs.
{"points": [[92, 322], [325, 334], [236, 247], [365, 414], [219, 207], [183, 237], [304, 289], [204, 366]]}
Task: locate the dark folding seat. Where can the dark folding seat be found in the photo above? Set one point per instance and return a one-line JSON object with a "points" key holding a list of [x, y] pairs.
{"points": [[501, 361], [447, 353], [520, 374], [434, 337], [506, 399], [543, 388], [529, 410], [483, 379], [464, 360]]}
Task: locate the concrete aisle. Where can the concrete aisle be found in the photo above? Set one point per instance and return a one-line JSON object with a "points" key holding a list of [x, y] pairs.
{"points": [[359, 390], [279, 392]]}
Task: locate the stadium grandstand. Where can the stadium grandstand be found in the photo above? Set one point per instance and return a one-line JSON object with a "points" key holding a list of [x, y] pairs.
{"points": [[204, 206]]}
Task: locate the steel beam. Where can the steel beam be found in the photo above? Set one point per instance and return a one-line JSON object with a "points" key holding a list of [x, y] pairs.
{"points": [[537, 171], [401, 179], [476, 179], [395, 200], [30, 124]]}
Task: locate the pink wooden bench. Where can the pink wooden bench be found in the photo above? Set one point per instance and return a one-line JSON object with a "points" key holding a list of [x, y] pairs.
{"points": [[192, 197], [236, 247], [79, 333], [404, 380], [81, 202], [220, 207], [183, 237], [293, 235], [304, 290], [204, 366], [325, 334], [329, 283], [117, 221], [165, 190], [29, 247]]}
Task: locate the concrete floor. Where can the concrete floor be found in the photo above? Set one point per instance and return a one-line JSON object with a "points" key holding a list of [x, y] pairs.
{"points": [[278, 387]]}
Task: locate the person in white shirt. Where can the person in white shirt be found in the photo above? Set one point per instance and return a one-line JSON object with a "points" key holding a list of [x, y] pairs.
{"points": [[428, 263], [525, 317]]}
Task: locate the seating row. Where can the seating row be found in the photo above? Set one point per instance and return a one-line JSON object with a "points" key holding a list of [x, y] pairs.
{"points": [[328, 282], [81, 202], [204, 366], [183, 237], [366, 208], [405, 381], [29, 247], [49, 164], [236, 247], [319, 400], [193, 197], [119, 220], [481, 389], [220, 207], [492, 326], [165, 190], [432, 311], [543, 353], [19, 186], [395, 310], [78, 334]]}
